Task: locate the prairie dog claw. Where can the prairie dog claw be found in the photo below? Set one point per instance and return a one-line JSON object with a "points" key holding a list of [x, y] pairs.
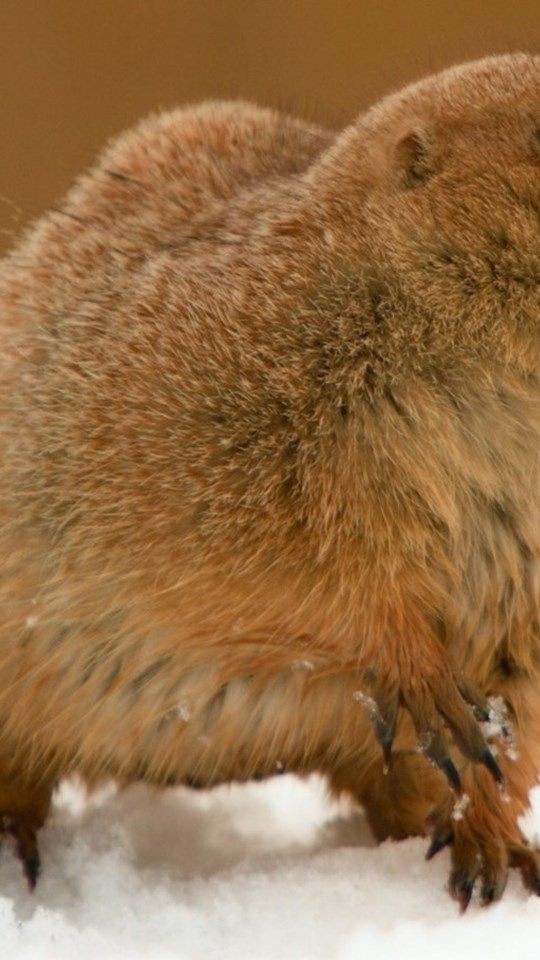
{"points": [[383, 715], [26, 847], [432, 703], [481, 856]]}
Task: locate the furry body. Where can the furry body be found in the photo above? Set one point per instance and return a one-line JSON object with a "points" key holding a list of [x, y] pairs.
{"points": [[270, 437]]}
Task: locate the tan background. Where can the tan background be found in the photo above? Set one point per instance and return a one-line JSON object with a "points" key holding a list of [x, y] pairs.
{"points": [[73, 72]]}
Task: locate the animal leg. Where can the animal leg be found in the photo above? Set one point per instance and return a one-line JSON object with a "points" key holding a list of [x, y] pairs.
{"points": [[23, 810]]}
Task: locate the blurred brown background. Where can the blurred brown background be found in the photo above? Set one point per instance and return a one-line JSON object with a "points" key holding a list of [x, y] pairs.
{"points": [[73, 72]]}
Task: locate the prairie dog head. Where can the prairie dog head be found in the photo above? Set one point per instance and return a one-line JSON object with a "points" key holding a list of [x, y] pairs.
{"points": [[438, 187]]}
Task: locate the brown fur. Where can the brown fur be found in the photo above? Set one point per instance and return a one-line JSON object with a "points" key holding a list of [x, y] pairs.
{"points": [[270, 435]]}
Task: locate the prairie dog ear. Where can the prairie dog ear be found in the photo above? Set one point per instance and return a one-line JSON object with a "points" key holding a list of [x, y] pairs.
{"points": [[414, 160]]}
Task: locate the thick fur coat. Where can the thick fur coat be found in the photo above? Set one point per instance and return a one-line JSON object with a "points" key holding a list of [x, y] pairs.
{"points": [[270, 464]]}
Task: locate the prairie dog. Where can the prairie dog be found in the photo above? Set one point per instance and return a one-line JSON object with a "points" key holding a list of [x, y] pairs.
{"points": [[269, 491]]}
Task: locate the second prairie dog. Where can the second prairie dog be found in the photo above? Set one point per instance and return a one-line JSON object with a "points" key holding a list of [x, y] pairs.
{"points": [[270, 448]]}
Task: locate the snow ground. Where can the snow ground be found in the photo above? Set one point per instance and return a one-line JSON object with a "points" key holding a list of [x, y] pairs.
{"points": [[256, 872]]}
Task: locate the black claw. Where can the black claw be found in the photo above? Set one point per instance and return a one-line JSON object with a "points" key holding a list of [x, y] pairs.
{"points": [[489, 894], [385, 736], [491, 891], [382, 711], [452, 775], [534, 887], [480, 713], [491, 764], [27, 852], [438, 843], [462, 888], [437, 752], [32, 869], [478, 702]]}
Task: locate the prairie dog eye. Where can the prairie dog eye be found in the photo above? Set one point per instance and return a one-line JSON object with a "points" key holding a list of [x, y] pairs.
{"points": [[413, 160]]}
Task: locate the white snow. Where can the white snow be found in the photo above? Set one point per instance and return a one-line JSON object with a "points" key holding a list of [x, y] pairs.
{"points": [[460, 806], [264, 871]]}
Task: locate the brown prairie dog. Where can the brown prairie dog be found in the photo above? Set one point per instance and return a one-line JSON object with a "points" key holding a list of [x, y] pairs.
{"points": [[269, 407]]}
